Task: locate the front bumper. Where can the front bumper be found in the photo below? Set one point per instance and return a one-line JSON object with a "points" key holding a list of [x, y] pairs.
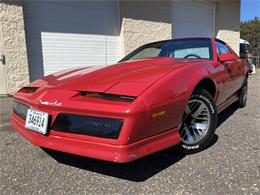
{"points": [[137, 137], [93, 148]]}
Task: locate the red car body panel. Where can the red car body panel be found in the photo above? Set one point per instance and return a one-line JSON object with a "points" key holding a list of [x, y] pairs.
{"points": [[136, 75], [162, 86]]}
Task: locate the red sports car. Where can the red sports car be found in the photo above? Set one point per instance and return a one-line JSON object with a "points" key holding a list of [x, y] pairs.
{"points": [[162, 94]]}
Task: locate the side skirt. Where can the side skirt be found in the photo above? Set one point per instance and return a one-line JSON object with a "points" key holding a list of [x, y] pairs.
{"points": [[227, 103]]}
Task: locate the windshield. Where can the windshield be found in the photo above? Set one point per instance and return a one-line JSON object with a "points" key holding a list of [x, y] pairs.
{"points": [[199, 48]]}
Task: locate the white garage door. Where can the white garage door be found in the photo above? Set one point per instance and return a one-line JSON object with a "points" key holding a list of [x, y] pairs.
{"points": [[192, 18], [63, 35]]}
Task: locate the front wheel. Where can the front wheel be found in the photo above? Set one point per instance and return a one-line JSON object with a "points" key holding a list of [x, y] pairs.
{"points": [[199, 122]]}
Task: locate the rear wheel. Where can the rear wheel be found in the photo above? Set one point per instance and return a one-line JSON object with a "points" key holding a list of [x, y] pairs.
{"points": [[199, 122], [243, 94]]}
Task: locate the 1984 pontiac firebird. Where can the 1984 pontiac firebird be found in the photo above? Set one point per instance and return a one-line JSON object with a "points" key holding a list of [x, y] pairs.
{"points": [[162, 94]]}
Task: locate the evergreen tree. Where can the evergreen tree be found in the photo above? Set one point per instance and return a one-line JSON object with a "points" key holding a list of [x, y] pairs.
{"points": [[250, 31]]}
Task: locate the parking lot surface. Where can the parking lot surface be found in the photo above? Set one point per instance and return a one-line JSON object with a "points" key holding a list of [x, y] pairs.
{"points": [[231, 165]]}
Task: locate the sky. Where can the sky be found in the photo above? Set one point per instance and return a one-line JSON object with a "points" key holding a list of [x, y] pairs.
{"points": [[250, 9]]}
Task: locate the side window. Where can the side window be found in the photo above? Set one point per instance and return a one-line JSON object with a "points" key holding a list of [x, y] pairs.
{"points": [[222, 49], [147, 53]]}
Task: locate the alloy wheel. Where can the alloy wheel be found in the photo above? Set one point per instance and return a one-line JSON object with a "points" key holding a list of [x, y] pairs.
{"points": [[196, 121]]}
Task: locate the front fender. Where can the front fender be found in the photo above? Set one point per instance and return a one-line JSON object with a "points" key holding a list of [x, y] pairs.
{"points": [[170, 96]]}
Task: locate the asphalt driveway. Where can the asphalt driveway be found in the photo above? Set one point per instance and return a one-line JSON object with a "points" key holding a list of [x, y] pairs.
{"points": [[231, 165]]}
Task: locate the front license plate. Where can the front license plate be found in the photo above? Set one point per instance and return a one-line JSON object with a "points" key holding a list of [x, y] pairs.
{"points": [[37, 121]]}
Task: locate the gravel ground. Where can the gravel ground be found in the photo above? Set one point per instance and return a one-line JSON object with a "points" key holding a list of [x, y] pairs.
{"points": [[231, 165]]}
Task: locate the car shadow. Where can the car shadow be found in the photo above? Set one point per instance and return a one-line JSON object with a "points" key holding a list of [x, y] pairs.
{"points": [[139, 170], [225, 114]]}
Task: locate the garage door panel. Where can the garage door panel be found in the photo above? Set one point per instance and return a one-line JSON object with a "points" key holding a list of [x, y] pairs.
{"points": [[38, 26], [35, 67], [62, 35], [112, 49], [44, 10], [188, 16], [58, 14], [192, 18], [99, 5], [197, 21], [35, 76], [63, 50], [50, 19], [197, 6], [74, 27]]}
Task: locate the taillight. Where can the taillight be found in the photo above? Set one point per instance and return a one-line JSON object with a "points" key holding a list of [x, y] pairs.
{"points": [[28, 89]]}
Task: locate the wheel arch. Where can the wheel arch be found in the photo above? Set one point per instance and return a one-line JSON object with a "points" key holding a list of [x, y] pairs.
{"points": [[208, 84]]}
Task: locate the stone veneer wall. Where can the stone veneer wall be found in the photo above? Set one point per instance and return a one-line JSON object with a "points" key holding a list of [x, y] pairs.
{"points": [[14, 45], [135, 33], [231, 38], [228, 22], [143, 22]]}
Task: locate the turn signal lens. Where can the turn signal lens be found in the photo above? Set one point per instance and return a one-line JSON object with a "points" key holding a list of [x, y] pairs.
{"points": [[93, 95]]}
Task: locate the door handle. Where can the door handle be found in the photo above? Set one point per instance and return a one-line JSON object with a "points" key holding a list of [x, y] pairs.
{"points": [[2, 59]]}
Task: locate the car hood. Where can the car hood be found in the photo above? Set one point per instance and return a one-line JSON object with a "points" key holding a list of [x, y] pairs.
{"points": [[124, 78]]}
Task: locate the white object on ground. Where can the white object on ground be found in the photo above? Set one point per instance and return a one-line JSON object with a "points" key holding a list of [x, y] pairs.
{"points": [[253, 68]]}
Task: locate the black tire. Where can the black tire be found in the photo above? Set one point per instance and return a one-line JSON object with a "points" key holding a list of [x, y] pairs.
{"points": [[203, 96], [243, 94]]}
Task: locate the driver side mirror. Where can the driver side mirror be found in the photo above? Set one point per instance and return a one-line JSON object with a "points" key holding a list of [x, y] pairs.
{"points": [[227, 57]]}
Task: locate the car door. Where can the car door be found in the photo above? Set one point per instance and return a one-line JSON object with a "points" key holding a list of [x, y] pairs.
{"points": [[231, 73]]}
